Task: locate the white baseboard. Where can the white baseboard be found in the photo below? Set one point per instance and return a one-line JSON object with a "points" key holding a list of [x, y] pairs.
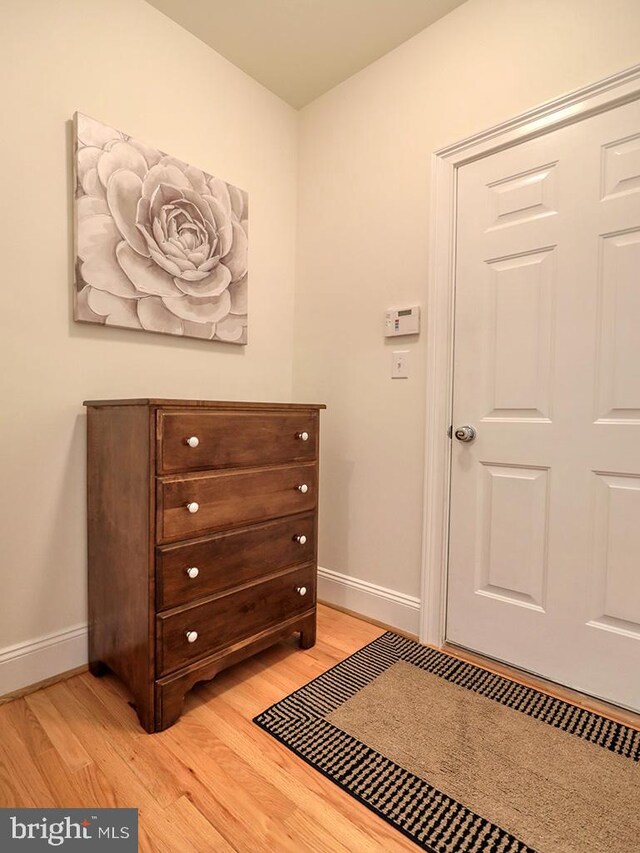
{"points": [[36, 660], [377, 602]]}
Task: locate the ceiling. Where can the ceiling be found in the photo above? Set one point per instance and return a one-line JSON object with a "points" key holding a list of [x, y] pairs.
{"points": [[302, 48]]}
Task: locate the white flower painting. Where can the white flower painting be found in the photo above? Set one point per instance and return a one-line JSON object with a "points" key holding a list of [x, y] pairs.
{"points": [[160, 246]]}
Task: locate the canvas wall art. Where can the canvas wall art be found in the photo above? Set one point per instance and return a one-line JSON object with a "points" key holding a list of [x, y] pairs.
{"points": [[161, 246]]}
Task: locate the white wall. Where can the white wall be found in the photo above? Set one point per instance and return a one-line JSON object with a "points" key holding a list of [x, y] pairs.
{"points": [[365, 159], [126, 64]]}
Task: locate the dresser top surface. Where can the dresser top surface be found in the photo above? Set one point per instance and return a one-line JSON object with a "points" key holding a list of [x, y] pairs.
{"points": [[205, 404]]}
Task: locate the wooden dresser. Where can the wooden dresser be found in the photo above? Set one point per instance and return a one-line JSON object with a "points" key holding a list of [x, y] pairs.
{"points": [[202, 539]]}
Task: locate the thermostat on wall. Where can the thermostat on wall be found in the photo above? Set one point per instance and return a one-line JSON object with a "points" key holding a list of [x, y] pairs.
{"points": [[403, 321]]}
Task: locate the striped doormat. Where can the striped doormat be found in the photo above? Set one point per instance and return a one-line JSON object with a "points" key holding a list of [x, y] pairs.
{"points": [[461, 759]]}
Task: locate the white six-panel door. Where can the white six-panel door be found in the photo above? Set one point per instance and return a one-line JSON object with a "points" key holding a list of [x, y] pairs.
{"points": [[544, 552]]}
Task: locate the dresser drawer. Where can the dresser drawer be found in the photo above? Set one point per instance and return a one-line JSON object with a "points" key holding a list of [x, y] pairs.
{"points": [[187, 572], [189, 441], [231, 616], [189, 506]]}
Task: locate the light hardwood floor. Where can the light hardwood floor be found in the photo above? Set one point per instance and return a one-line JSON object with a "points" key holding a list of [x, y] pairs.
{"points": [[214, 781]]}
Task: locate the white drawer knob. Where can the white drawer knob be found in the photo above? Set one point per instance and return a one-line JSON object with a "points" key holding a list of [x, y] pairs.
{"points": [[302, 590], [303, 436], [193, 506], [193, 572], [301, 539], [193, 441], [303, 488], [192, 636]]}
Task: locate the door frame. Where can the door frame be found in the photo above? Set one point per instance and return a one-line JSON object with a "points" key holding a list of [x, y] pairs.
{"points": [[606, 94]]}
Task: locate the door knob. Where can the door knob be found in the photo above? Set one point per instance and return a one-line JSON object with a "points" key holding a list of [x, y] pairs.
{"points": [[465, 433]]}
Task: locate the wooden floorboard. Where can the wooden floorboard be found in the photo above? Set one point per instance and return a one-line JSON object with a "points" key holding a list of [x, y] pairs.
{"points": [[212, 782]]}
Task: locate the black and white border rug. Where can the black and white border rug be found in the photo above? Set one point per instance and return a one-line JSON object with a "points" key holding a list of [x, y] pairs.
{"points": [[427, 816]]}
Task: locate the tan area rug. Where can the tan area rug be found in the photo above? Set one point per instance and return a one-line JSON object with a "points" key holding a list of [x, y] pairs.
{"points": [[557, 792], [461, 760]]}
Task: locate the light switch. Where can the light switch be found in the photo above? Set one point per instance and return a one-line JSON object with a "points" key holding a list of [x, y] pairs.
{"points": [[400, 364]]}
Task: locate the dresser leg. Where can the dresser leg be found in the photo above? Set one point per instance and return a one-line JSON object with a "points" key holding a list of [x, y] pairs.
{"points": [[97, 668], [308, 632], [169, 702], [146, 715]]}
